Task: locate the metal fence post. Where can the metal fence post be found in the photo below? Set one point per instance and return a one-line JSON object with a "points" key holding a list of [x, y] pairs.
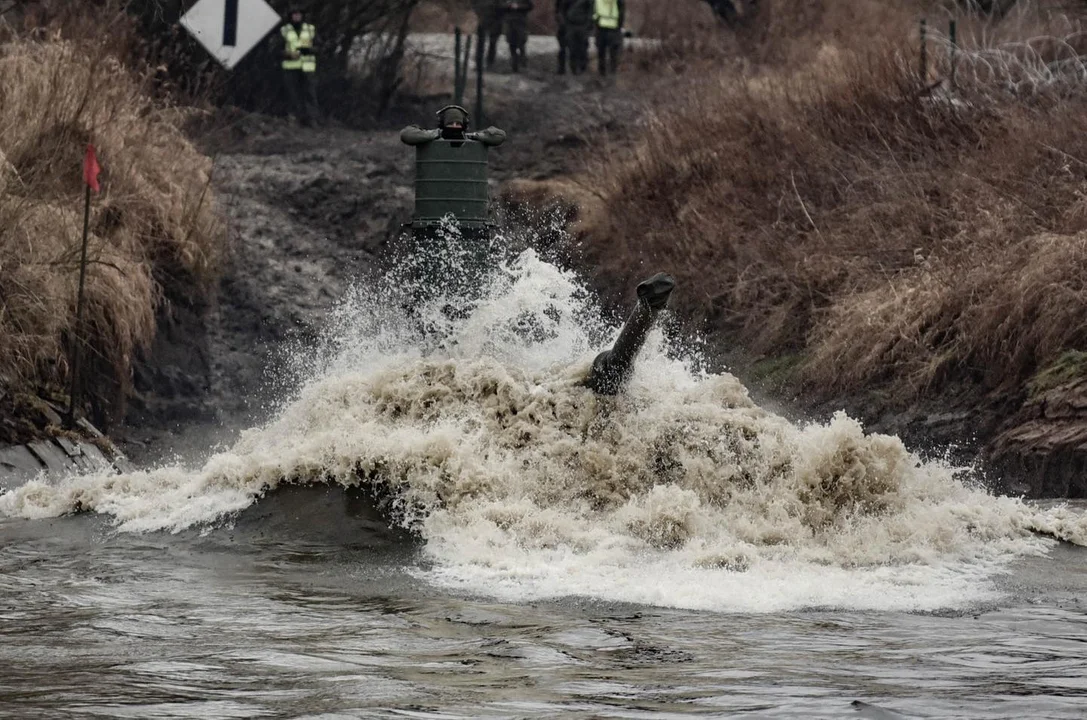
{"points": [[924, 51], [75, 387], [479, 78], [464, 68], [458, 86], [952, 34]]}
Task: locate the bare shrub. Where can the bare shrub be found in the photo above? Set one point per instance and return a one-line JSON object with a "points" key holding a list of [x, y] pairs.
{"points": [[893, 233]]}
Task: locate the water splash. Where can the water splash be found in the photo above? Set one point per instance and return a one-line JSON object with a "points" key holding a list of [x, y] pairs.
{"points": [[524, 484]]}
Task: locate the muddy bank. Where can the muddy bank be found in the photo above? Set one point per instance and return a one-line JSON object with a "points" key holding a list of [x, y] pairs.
{"points": [[1020, 444], [1030, 442], [309, 211]]}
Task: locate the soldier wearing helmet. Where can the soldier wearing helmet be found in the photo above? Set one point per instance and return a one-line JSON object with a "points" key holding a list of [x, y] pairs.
{"points": [[453, 122], [452, 223]]}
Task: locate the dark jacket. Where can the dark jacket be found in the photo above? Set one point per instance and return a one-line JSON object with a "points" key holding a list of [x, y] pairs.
{"points": [[518, 7], [415, 135], [579, 13]]}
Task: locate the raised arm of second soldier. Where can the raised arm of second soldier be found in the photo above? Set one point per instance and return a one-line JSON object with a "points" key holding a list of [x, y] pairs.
{"points": [[415, 135], [622, 13]]}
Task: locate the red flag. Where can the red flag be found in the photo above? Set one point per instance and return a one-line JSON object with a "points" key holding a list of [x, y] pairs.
{"points": [[91, 169]]}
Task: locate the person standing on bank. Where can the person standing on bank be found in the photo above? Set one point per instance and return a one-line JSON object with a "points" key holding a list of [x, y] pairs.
{"points": [[489, 13], [577, 24], [608, 16], [300, 68], [516, 15], [560, 32]]}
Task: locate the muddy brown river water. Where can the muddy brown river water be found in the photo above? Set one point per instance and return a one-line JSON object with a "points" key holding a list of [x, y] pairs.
{"points": [[539, 551], [239, 624]]}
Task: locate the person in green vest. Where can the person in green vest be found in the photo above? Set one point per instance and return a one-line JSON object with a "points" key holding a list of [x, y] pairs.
{"points": [[300, 68], [608, 16]]}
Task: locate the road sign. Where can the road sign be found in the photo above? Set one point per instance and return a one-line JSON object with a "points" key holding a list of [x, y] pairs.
{"points": [[229, 29]]}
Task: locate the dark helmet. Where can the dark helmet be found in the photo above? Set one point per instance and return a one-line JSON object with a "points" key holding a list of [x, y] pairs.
{"points": [[453, 114]]}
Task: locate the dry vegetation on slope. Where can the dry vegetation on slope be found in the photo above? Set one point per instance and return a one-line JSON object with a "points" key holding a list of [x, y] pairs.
{"points": [[154, 223], [872, 234], [889, 234]]}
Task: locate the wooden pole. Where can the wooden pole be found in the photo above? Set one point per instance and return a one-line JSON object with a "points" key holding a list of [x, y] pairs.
{"points": [[464, 69]]}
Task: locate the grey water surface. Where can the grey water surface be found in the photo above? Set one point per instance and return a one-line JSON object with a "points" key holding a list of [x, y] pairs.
{"points": [[306, 606]]}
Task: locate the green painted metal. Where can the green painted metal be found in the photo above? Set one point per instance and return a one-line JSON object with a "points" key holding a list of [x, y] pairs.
{"points": [[451, 179]]}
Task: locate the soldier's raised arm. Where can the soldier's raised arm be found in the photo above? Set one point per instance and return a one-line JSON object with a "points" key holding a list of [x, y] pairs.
{"points": [[491, 136], [415, 135]]}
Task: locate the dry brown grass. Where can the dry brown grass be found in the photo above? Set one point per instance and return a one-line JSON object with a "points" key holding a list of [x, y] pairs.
{"points": [[893, 237], [154, 222]]}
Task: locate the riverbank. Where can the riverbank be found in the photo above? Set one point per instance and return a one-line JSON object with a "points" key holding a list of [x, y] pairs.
{"points": [[154, 230], [908, 249], [791, 219]]}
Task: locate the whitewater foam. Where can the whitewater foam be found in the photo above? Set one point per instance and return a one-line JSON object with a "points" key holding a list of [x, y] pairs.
{"points": [[526, 485]]}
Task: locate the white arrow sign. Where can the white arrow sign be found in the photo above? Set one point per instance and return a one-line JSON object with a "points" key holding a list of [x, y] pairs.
{"points": [[230, 28]]}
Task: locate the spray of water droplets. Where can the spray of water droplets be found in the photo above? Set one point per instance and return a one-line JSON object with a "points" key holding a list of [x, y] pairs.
{"points": [[468, 410]]}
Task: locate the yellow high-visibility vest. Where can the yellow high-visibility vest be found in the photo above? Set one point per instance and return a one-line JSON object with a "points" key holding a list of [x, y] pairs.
{"points": [[606, 14], [296, 41]]}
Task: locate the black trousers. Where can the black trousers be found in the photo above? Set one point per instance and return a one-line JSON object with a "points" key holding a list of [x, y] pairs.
{"points": [[608, 44], [490, 29], [302, 96], [577, 42], [561, 35], [517, 36]]}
